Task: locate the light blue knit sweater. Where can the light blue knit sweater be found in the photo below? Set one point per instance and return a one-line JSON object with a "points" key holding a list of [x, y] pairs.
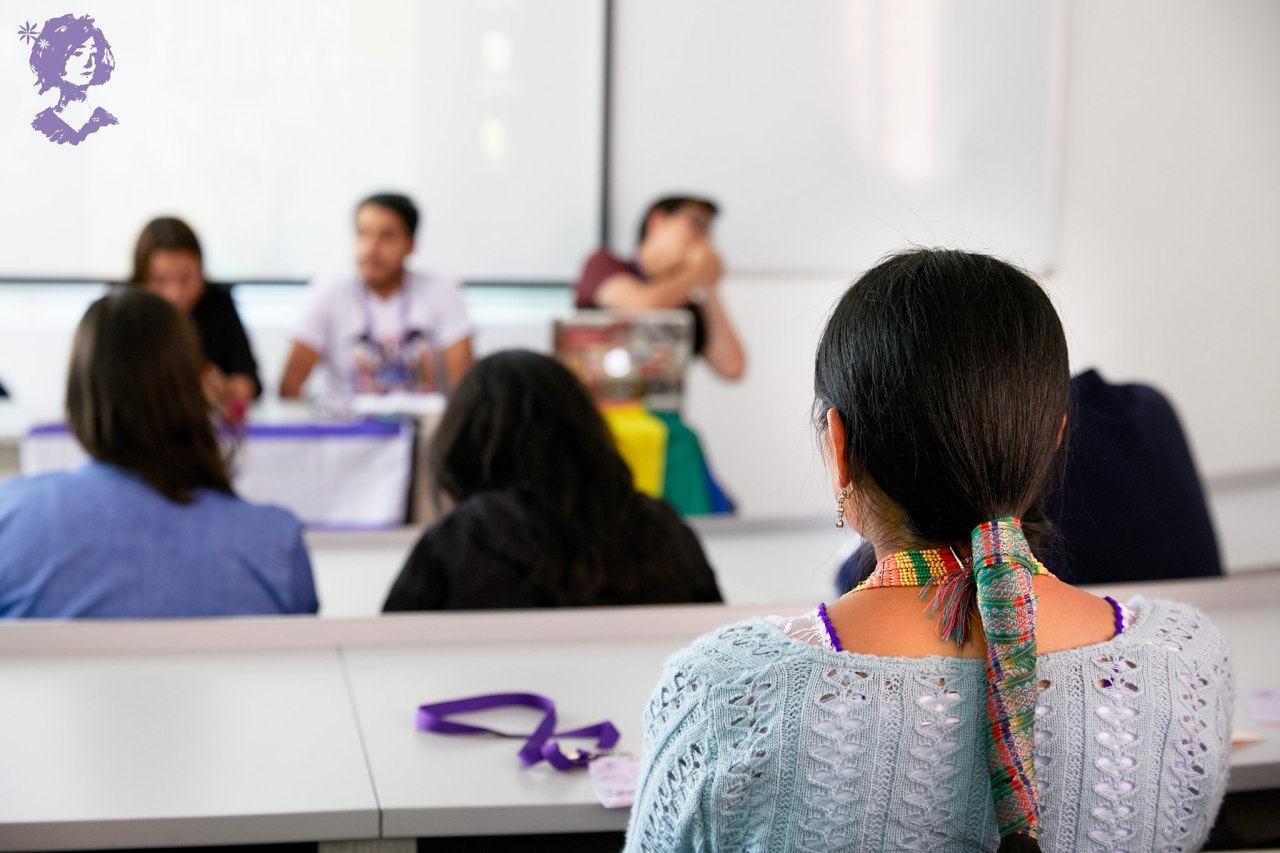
{"points": [[762, 738]]}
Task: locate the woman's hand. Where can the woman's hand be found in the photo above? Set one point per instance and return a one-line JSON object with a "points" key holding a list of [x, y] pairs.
{"points": [[229, 396], [214, 382]]}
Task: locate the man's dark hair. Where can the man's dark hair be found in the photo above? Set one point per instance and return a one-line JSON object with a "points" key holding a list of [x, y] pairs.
{"points": [[134, 397], [522, 422], [400, 205], [163, 234], [672, 203], [949, 371]]}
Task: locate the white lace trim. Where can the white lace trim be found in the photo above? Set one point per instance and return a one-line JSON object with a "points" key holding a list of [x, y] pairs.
{"points": [[808, 628]]}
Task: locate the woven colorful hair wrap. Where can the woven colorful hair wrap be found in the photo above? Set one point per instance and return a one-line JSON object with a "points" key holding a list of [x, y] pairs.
{"points": [[1002, 570]]}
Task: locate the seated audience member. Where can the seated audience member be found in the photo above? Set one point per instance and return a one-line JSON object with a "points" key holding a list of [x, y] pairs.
{"points": [[546, 514], [1129, 506], [149, 527], [387, 328], [168, 262], [675, 267], [1007, 710]]}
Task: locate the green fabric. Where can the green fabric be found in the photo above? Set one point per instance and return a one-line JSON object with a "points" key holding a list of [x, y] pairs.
{"points": [[685, 483]]}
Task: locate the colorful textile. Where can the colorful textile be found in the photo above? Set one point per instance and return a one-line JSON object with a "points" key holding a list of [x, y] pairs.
{"points": [[1002, 569], [642, 442], [685, 484], [998, 590]]}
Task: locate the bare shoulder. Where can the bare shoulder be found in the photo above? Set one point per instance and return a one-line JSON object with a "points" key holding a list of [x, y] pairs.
{"points": [[895, 622], [1069, 617]]}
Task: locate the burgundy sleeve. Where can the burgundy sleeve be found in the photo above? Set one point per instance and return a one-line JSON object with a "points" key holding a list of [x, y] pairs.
{"points": [[599, 267]]}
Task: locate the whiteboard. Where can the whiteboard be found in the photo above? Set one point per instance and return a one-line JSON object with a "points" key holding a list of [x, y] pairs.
{"points": [[263, 122], [832, 131]]}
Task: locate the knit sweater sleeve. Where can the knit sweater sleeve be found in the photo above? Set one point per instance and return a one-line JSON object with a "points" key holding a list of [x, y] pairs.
{"points": [[671, 809]]}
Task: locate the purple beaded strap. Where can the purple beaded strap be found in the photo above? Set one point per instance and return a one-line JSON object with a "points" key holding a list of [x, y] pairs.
{"points": [[1119, 611], [831, 632], [539, 746]]}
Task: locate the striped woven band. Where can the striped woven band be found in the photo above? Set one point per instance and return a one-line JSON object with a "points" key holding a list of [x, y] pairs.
{"points": [[996, 592], [1002, 567]]}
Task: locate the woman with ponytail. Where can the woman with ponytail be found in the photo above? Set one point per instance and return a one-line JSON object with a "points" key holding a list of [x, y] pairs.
{"points": [[961, 697]]}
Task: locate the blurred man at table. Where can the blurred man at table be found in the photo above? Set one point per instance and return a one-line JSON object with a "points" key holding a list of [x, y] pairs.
{"points": [[386, 328], [675, 267]]}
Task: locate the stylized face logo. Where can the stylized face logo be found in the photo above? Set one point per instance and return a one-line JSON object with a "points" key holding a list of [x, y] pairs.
{"points": [[82, 64], [68, 55]]}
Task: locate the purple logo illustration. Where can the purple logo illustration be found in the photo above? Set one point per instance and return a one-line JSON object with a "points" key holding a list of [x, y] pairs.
{"points": [[70, 54]]}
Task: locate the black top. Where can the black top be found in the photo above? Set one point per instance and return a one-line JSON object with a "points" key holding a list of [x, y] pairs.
{"points": [[1130, 507], [222, 336], [478, 558]]}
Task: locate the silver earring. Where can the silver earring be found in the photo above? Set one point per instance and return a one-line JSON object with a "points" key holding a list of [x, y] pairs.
{"points": [[845, 494]]}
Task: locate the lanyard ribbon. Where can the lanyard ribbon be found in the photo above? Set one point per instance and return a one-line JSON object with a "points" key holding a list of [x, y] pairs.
{"points": [[539, 746]]}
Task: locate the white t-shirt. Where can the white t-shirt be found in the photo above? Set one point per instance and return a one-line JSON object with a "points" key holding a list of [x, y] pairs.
{"points": [[371, 345]]}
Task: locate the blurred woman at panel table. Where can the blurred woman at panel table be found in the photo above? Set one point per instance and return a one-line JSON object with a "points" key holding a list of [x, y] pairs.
{"points": [[168, 262]]}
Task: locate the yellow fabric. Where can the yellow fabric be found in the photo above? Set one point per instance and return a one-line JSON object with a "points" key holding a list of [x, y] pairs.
{"points": [[642, 441]]}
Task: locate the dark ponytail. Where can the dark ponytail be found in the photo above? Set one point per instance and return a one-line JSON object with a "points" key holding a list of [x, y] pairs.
{"points": [[949, 372]]}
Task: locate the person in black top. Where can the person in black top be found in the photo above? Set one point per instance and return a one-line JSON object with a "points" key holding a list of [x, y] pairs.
{"points": [[546, 512], [168, 262], [1129, 507]]}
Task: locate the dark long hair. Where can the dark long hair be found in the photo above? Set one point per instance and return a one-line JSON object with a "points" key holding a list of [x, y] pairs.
{"points": [[163, 234], [523, 422], [950, 373], [134, 397]]}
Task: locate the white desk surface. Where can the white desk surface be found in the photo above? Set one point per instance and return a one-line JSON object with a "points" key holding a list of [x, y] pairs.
{"points": [[429, 784], [178, 749], [250, 730]]}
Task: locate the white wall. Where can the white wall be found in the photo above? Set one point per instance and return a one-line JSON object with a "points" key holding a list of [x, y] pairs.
{"points": [[830, 132], [262, 122], [1166, 274], [1171, 212]]}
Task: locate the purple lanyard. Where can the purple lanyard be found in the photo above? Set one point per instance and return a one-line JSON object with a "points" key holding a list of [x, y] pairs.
{"points": [[538, 746]]}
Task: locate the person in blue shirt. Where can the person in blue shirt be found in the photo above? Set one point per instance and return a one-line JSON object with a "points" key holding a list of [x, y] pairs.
{"points": [[150, 526]]}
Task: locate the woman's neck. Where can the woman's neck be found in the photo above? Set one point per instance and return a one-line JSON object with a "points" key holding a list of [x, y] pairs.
{"points": [[893, 541], [69, 95]]}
